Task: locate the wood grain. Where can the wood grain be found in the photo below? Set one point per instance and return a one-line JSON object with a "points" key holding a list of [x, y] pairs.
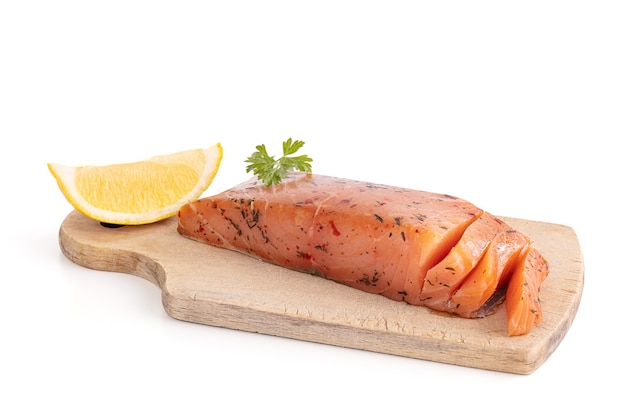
{"points": [[203, 284]]}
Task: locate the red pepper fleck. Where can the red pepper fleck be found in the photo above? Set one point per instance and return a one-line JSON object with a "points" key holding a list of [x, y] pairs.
{"points": [[335, 230]]}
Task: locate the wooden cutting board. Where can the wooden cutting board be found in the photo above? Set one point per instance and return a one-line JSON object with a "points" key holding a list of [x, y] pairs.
{"points": [[203, 284]]}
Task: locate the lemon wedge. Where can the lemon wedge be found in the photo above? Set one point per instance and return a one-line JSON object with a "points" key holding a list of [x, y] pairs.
{"points": [[139, 192]]}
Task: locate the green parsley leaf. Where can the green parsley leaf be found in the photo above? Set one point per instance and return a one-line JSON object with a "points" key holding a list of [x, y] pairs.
{"points": [[271, 170]]}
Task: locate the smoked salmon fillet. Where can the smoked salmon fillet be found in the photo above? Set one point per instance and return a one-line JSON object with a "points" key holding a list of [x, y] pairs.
{"points": [[422, 248]]}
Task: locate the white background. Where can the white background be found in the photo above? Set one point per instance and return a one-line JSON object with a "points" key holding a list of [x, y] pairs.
{"points": [[518, 107]]}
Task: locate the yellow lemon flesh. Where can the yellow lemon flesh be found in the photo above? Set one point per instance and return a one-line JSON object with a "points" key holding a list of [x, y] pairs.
{"points": [[139, 192]]}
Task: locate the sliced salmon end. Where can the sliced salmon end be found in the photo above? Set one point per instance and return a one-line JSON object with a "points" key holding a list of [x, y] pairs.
{"points": [[523, 303]]}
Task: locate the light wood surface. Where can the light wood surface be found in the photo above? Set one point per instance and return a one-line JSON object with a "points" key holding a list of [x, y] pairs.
{"points": [[203, 284]]}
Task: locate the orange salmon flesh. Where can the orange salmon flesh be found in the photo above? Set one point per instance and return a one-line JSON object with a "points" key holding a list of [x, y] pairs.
{"points": [[422, 248]]}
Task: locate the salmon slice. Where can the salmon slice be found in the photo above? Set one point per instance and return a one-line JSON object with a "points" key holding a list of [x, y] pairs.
{"points": [[523, 304], [491, 273], [443, 279], [376, 238]]}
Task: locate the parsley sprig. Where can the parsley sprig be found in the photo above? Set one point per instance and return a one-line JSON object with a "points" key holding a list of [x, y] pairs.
{"points": [[271, 170]]}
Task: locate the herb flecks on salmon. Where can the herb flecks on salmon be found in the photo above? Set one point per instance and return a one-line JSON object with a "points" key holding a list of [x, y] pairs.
{"points": [[426, 249]]}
